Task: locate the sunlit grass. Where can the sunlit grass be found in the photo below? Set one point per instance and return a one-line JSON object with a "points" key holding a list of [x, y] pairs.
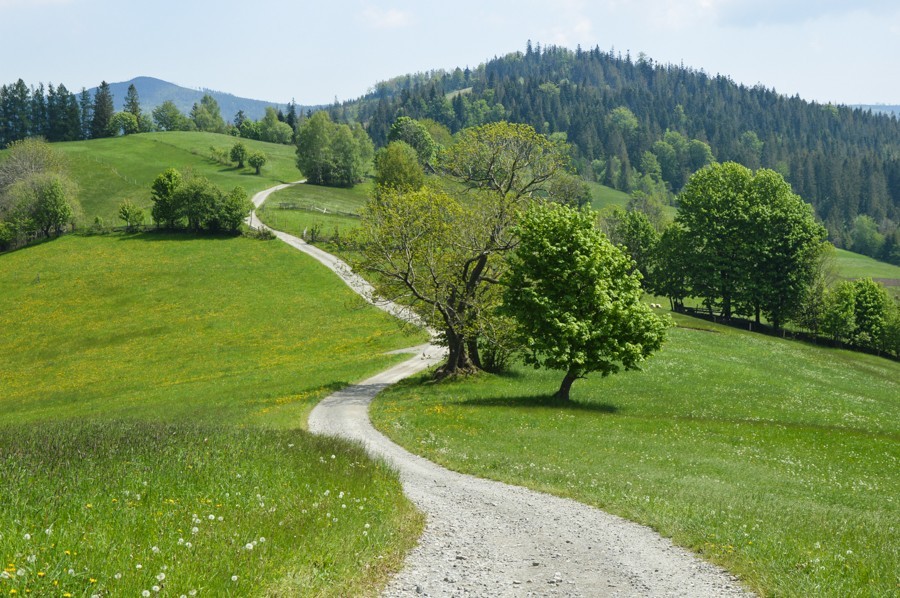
{"points": [[123, 509], [181, 369], [109, 171], [776, 459]]}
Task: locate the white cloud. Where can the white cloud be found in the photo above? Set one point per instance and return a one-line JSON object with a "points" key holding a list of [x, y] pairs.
{"points": [[391, 18]]}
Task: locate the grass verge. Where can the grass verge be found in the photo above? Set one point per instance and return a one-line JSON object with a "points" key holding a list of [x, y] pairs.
{"points": [[94, 509], [775, 459]]}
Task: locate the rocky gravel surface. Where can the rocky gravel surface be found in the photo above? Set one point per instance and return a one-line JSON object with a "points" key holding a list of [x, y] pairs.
{"points": [[485, 538]]}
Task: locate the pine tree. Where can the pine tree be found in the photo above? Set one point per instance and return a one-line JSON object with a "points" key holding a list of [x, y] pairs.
{"points": [[133, 102], [39, 121], [86, 107], [103, 112]]}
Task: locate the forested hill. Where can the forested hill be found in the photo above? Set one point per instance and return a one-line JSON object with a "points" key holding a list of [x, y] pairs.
{"points": [[616, 110]]}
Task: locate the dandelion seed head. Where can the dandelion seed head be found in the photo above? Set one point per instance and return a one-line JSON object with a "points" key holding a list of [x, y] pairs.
{"points": [[145, 593], [161, 576], [234, 578]]}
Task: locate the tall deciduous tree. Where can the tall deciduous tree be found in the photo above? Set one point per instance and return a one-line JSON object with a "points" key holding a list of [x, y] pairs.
{"points": [[397, 167], [168, 117], [103, 111], [575, 298], [166, 210], [416, 136], [207, 116]]}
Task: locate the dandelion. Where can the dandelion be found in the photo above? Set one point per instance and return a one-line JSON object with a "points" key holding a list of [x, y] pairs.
{"points": [[155, 588], [32, 558], [192, 593], [41, 574], [367, 526], [333, 457], [188, 545], [92, 580], [161, 576], [262, 539], [155, 549], [221, 518], [20, 572], [234, 578], [195, 529], [146, 593], [27, 537], [71, 571], [248, 546], [49, 530], [341, 495], [180, 541], [139, 566], [118, 576], [211, 517]]}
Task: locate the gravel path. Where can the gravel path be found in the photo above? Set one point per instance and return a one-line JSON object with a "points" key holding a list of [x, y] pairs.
{"points": [[485, 538]]}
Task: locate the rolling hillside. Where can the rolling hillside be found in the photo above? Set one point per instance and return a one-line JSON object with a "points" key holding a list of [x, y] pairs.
{"points": [[111, 170]]}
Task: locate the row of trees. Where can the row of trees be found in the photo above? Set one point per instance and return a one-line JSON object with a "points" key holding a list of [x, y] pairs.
{"points": [[333, 154], [195, 203], [37, 198], [747, 246]]}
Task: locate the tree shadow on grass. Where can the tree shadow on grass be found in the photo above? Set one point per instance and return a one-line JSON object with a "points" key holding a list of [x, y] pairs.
{"points": [[539, 401], [175, 235]]}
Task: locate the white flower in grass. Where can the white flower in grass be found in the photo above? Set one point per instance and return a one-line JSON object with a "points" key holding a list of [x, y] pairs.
{"points": [[161, 576], [145, 593], [27, 537], [192, 593], [71, 571], [261, 539], [341, 495], [195, 529], [333, 457], [211, 517], [188, 545], [234, 578], [32, 558], [221, 518], [367, 526], [180, 541], [49, 530], [20, 572], [248, 546], [155, 549], [156, 588], [139, 566], [118, 576], [4, 575]]}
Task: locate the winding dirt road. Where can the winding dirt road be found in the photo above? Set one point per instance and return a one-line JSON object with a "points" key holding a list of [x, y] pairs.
{"points": [[485, 538]]}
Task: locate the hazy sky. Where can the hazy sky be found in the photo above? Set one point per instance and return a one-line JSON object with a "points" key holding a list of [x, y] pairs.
{"points": [[842, 51]]}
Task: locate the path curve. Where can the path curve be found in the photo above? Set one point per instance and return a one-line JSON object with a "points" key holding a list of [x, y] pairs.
{"points": [[486, 538]]}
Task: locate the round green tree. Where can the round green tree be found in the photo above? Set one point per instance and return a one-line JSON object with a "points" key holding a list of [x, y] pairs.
{"points": [[576, 298]]}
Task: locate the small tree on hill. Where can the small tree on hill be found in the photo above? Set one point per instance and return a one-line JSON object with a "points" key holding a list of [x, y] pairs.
{"points": [[397, 167], [257, 160], [131, 214], [576, 298], [166, 210], [239, 153]]}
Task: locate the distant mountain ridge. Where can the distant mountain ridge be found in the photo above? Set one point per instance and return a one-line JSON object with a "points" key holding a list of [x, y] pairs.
{"points": [[153, 92], [880, 108]]}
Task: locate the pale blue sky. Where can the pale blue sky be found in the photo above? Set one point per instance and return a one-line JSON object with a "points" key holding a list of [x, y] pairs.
{"points": [[843, 51]]}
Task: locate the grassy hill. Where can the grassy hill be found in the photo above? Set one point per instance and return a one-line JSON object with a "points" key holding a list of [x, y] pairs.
{"points": [[152, 394], [109, 171], [851, 265], [773, 458]]}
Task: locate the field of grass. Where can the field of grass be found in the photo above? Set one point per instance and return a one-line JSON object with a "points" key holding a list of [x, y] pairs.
{"points": [[851, 265], [603, 196], [109, 171], [776, 459], [303, 207], [180, 369]]}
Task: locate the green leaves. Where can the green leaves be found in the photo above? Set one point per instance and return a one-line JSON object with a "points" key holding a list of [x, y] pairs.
{"points": [[575, 297]]}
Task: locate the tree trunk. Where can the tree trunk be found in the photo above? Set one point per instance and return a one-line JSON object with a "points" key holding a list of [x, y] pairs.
{"points": [[563, 393], [474, 354], [458, 361], [757, 314]]}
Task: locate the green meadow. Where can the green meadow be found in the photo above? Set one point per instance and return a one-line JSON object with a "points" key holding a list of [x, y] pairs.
{"points": [[153, 380], [775, 459], [109, 171]]}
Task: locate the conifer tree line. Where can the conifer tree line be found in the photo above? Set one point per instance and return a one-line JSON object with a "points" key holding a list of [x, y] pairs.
{"points": [[57, 114], [628, 119]]}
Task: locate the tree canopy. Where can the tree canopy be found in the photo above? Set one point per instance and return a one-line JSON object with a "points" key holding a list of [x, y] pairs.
{"points": [[576, 298]]}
